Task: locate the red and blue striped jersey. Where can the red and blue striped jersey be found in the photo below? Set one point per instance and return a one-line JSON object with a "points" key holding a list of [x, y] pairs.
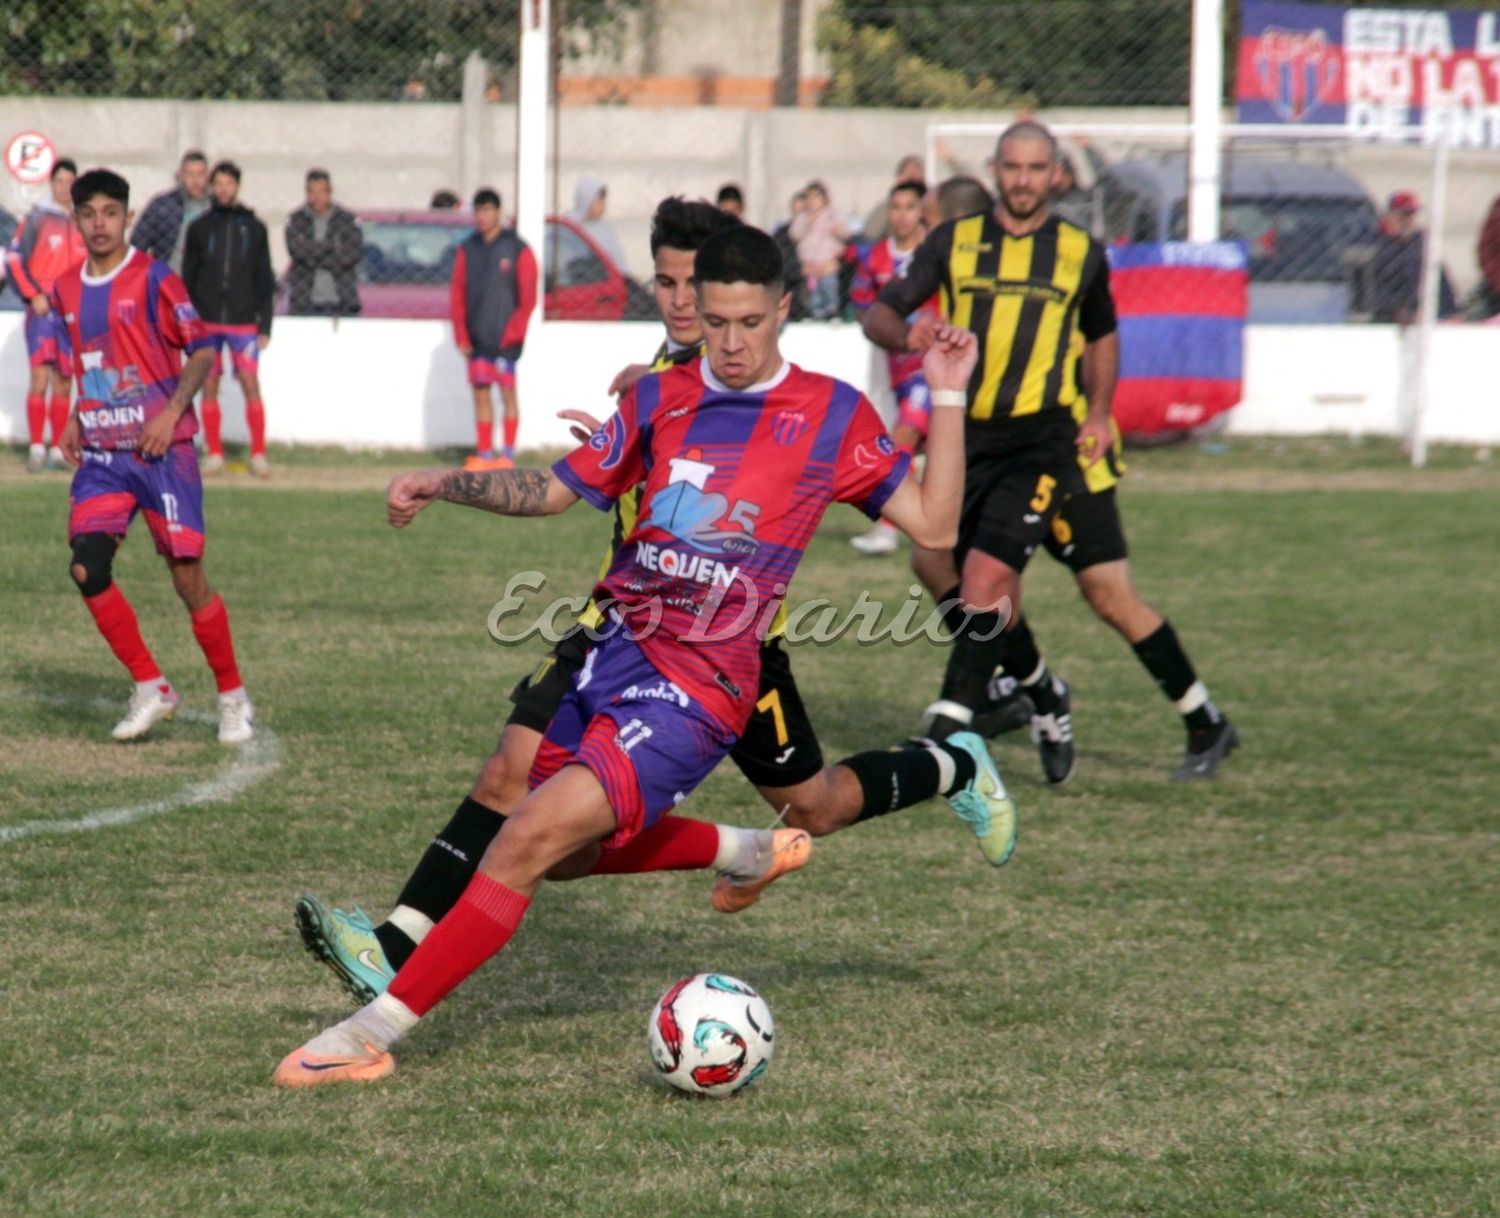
{"points": [[123, 336], [879, 264], [735, 483]]}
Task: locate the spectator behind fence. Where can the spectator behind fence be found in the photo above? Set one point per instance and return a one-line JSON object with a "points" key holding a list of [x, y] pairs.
{"points": [[443, 200], [796, 282], [731, 199], [162, 228], [1074, 202], [590, 197], [325, 245], [821, 235], [226, 264], [1394, 274], [1489, 262]]}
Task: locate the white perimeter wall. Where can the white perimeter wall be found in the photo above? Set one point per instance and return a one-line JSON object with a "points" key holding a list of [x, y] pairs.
{"points": [[400, 384]]}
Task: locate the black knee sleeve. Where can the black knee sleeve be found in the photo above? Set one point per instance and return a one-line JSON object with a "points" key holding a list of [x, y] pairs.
{"points": [[95, 553]]}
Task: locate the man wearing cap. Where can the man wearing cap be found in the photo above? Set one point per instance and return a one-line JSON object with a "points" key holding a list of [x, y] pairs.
{"points": [[1396, 268]]}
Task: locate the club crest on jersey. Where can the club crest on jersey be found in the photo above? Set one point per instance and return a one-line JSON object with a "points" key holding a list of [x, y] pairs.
{"points": [[610, 440], [125, 312], [788, 427], [701, 518], [864, 456]]}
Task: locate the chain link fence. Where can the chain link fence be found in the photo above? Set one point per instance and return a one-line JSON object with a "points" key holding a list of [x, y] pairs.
{"points": [[408, 102]]}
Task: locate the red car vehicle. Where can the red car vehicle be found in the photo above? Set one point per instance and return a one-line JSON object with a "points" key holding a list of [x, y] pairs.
{"points": [[408, 262]]}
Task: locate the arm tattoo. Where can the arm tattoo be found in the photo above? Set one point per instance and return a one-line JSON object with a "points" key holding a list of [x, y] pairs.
{"points": [[510, 492]]}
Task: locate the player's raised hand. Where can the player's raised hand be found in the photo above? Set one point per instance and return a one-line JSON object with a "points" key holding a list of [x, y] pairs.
{"points": [[409, 494], [950, 359], [626, 378], [584, 424], [71, 442]]}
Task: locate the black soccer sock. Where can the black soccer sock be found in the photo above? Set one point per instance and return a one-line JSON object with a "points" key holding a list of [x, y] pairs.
{"points": [[1023, 661], [976, 650], [899, 778], [1173, 673], [952, 606], [445, 869]]}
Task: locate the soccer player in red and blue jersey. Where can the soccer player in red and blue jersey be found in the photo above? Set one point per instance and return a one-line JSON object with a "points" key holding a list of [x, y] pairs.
{"points": [[879, 264], [125, 324], [45, 245], [740, 453]]}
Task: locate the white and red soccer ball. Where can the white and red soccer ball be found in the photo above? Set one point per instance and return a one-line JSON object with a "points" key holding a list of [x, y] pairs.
{"points": [[711, 1034]]}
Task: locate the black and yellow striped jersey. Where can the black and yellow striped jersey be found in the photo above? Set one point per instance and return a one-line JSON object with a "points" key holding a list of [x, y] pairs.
{"points": [[1033, 302], [628, 507]]}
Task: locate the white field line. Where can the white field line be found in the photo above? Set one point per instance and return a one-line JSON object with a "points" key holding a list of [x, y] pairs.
{"points": [[251, 763]]}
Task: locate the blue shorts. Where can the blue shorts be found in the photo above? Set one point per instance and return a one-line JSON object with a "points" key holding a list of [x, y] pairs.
{"points": [[242, 343], [647, 741], [41, 340], [113, 484]]}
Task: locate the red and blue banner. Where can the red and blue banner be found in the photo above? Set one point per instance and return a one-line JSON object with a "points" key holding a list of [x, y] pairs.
{"points": [[1381, 71], [1181, 308]]}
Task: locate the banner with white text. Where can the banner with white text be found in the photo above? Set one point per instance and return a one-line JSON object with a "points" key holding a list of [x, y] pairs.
{"points": [[1387, 72]]}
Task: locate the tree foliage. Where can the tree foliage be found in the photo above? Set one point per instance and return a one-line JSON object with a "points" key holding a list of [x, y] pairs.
{"points": [[338, 50]]}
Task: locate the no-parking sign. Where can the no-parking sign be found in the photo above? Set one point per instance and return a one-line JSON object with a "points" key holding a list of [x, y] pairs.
{"points": [[30, 157]]}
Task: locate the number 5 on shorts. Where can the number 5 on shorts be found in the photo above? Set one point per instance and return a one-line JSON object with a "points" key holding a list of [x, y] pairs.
{"points": [[1042, 500]]}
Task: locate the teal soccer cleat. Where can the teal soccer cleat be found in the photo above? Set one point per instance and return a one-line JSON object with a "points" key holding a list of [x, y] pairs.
{"points": [[346, 943], [984, 803]]}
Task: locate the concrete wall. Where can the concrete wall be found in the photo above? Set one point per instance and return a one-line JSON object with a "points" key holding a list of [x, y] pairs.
{"points": [[396, 155], [400, 384]]}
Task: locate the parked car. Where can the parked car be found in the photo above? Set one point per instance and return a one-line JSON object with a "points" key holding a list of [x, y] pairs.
{"points": [[408, 262], [1307, 225]]}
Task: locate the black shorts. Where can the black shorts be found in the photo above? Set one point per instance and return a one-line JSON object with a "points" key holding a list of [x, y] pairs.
{"points": [[1087, 531], [1010, 502], [778, 747], [540, 692]]}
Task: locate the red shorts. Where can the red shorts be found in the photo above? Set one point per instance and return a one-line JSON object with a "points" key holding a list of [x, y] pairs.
{"points": [[492, 370]]}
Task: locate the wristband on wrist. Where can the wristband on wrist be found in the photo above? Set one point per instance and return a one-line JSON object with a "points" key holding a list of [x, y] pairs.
{"points": [[949, 397]]}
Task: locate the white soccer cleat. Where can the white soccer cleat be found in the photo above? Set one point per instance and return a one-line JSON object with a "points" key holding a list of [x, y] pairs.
{"points": [[879, 540], [36, 459], [55, 458], [213, 463], [149, 705], [259, 466], [236, 719]]}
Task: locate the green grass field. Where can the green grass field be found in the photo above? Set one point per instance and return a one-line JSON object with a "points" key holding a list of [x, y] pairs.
{"points": [[1273, 994]]}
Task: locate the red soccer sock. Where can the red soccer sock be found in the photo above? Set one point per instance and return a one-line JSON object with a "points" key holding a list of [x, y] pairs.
{"points": [[255, 420], [116, 621], [212, 420], [482, 922], [36, 416], [674, 843], [512, 426], [484, 436], [211, 629], [59, 410]]}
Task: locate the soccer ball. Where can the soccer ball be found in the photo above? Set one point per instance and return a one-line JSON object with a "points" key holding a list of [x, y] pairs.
{"points": [[711, 1035]]}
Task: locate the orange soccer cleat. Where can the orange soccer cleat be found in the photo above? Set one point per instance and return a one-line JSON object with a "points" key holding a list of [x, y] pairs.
{"points": [[790, 849], [301, 1068]]}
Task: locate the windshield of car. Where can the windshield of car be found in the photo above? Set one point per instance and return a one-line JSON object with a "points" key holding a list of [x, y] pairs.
{"points": [[1292, 239], [409, 251]]}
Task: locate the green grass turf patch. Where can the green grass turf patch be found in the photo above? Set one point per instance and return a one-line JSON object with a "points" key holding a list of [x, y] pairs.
{"points": [[1274, 994]]}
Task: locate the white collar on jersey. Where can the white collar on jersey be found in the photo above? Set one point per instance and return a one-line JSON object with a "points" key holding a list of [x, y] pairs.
{"points": [[673, 346], [94, 281], [718, 386]]}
